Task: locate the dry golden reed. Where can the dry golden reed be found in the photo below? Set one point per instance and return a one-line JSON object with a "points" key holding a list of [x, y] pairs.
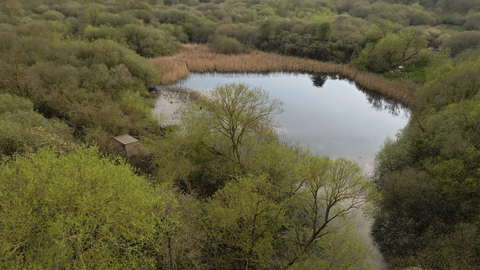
{"points": [[199, 58]]}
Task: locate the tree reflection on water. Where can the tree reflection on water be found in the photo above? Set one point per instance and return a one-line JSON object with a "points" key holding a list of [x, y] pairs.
{"points": [[378, 101], [382, 103]]}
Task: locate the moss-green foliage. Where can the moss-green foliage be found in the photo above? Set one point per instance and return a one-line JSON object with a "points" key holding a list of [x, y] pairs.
{"points": [[84, 83], [79, 66], [462, 41], [258, 189], [53, 15], [227, 45], [12, 104], [473, 22], [448, 84], [94, 15], [196, 21], [182, 33], [417, 73], [248, 36], [102, 32], [393, 51], [315, 213], [23, 130], [241, 222], [148, 41], [184, 161], [75, 210], [428, 176]]}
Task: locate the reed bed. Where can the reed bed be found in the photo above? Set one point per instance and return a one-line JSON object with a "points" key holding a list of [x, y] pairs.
{"points": [[199, 58]]}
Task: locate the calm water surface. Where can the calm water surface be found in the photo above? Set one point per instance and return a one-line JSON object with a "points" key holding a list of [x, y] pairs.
{"points": [[335, 119]]}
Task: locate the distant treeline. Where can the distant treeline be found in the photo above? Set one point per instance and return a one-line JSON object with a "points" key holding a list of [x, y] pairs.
{"points": [[338, 31]]}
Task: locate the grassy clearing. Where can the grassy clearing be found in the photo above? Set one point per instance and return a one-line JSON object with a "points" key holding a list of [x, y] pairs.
{"points": [[199, 58], [459, 28], [414, 73]]}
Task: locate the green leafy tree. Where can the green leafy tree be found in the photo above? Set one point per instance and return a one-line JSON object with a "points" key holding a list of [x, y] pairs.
{"points": [[53, 15], [12, 104], [462, 41], [23, 130], [428, 176], [227, 45], [75, 210], [149, 41], [102, 32], [241, 223], [392, 51], [473, 22], [341, 249], [328, 191], [182, 160], [94, 16], [178, 236], [231, 114]]}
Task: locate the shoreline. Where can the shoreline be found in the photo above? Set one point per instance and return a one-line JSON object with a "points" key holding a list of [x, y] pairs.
{"points": [[200, 59]]}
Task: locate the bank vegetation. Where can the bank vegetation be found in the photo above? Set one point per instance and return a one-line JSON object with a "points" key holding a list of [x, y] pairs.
{"points": [[202, 59], [219, 190]]}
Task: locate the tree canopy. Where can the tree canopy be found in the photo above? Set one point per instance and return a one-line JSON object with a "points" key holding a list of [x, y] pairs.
{"points": [[75, 210], [220, 190]]}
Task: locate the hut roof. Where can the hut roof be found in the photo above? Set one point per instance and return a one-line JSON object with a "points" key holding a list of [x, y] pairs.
{"points": [[125, 139]]}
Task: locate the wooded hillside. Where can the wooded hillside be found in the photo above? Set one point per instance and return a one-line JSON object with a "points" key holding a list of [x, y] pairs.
{"points": [[219, 190]]}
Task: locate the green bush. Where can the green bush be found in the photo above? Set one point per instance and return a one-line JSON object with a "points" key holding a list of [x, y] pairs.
{"points": [[76, 210], [142, 14], [392, 51], [227, 45], [23, 130], [172, 16], [102, 32], [70, 9], [12, 104], [203, 32], [94, 15], [246, 35], [121, 19], [148, 41], [176, 31], [53, 15], [78, 81], [462, 41], [473, 22]]}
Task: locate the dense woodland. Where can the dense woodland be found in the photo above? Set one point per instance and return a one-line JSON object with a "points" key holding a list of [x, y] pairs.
{"points": [[219, 190]]}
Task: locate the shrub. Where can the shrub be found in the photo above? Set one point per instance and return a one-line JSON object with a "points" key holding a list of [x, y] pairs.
{"points": [[24, 130], [148, 41], [71, 9], [121, 19], [393, 51], [462, 41], [227, 45], [142, 14], [172, 16], [75, 210], [9, 103], [248, 36], [53, 15], [176, 31], [203, 32], [473, 22], [102, 32]]}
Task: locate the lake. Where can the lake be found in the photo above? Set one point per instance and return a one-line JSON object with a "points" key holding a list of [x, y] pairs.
{"points": [[331, 116]]}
